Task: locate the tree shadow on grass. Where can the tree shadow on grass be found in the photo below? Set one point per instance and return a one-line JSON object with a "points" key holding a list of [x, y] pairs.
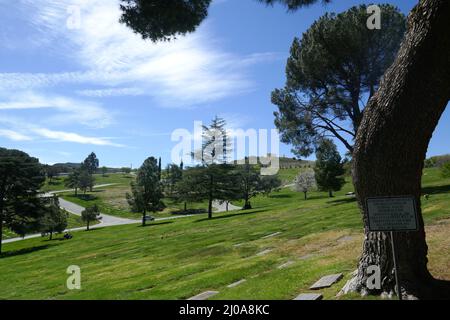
{"points": [[441, 290], [436, 189], [342, 201], [156, 224], [97, 190], [231, 215], [9, 254], [188, 212], [280, 196], [86, 197]]}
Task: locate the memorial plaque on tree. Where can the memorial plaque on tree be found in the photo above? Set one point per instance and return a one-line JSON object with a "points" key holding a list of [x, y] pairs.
{"points": [[392, 214]]}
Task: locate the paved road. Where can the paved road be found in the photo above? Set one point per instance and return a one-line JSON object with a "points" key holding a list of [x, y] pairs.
{"points": [[106, 220], [222, 207]]}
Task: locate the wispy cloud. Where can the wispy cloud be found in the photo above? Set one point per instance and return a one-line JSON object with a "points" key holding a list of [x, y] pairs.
{"points": [[18, 130], [14, 135], [190, 70], [70, 110], [73, 137], [114, 92]]}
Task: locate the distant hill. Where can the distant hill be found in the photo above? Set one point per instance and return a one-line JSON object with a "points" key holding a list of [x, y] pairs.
{"points": [[437, 161], [68, 167]]}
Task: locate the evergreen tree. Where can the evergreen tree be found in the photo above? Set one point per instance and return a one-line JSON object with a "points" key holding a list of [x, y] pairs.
{"points": [[86, 181], [173, 175], [445, 170], [73, 180], [90, 214], [159, 169], [147, 192], [323, 96], [249, 183], [54, 220], [329, 167], [216, 146], [21, 177], [90, 165], [214, 182]]}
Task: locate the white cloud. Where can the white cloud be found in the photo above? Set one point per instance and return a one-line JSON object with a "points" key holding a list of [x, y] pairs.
{"points": [[73, 137], [106, 60], [18, 130], [69, 110], [101, 93], [14, 135], [187, 71]]}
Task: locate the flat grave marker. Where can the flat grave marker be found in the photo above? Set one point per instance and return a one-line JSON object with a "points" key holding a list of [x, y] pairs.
{"points": [[235, 284], [309, 296], [204, 295], [263, 253], [327, 281], [285, 265], [271, 235]]}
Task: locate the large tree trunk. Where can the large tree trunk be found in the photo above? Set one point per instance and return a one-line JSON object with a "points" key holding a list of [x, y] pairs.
{"points": [[392, 141], [144, 213], [211, 184], [210, 208], [1, 221], [1, 231]]}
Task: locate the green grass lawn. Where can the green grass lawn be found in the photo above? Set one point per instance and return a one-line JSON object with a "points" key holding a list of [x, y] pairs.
{"points": [[57, 184], [180, 258]]}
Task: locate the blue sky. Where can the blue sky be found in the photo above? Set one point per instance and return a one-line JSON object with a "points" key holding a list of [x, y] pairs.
{"points": [[65, 92]]}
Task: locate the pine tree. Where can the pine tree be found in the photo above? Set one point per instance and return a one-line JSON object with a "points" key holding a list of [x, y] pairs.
{"points": [[329, 167], [147, 192], [21, 177], [90, 214]]}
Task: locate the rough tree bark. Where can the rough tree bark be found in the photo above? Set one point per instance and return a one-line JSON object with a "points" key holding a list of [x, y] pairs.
{"points": [[1, 230], [392, 141]]}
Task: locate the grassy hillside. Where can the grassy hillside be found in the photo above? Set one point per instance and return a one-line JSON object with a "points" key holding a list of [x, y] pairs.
{"points": [[178, 259], [57, 184]]}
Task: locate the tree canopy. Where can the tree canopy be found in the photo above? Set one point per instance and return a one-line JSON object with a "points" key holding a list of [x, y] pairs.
{"points": [[329, 168], [147, 192], [162, 20], [54, 219], [91, 163], [305, 181], [90, 214], [21, 177], [445, 170]]}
